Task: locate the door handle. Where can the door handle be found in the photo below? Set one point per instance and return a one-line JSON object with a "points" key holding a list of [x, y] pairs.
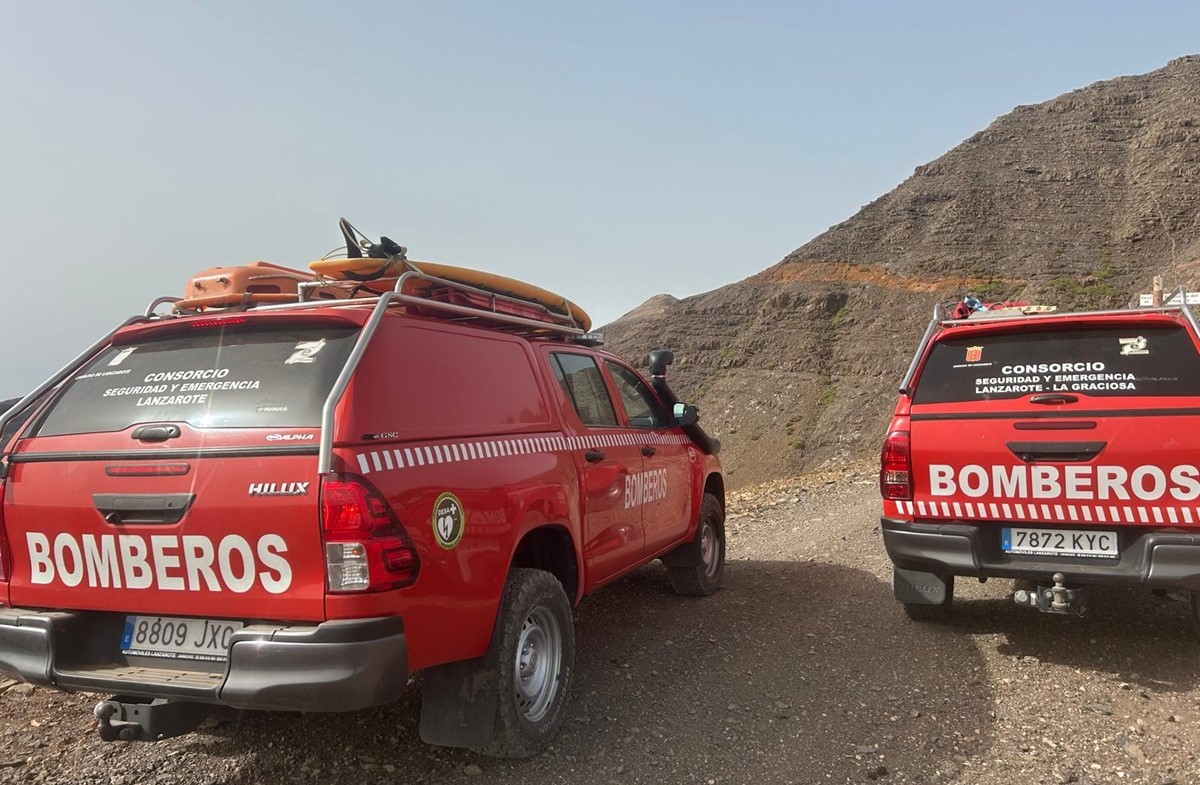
{"points": [[1065, 452], [1054, 398], [648, 451], [594, 456], [157, 433], [118, 508]]}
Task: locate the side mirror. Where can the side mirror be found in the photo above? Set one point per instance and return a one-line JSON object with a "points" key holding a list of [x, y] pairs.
{"points": [[685, 414]]}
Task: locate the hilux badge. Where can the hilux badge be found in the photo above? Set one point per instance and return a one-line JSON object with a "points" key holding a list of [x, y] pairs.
{"points": [[279, 488]]}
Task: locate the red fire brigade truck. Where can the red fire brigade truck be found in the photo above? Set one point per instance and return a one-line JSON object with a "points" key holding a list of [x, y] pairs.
{"points": [[1050, 448], [291, 491]]}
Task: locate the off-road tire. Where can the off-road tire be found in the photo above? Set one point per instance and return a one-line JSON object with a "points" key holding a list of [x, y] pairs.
{"points": [[531, 597], [696, 568], [939, 612]]}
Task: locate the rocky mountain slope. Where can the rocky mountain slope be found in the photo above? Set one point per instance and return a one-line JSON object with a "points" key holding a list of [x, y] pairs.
{"points": [[1078, 201]]}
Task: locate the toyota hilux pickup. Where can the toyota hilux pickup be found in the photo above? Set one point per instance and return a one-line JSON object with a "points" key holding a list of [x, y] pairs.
{"points": [[1055, 449], [296, 503]]}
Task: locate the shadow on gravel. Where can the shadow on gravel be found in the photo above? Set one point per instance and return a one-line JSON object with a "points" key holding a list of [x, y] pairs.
{"points": [[1137, 637], [791, 674]]}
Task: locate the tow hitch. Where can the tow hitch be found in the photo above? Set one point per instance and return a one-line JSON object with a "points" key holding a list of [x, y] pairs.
{"points": [[123, 718], [1054, 599]]}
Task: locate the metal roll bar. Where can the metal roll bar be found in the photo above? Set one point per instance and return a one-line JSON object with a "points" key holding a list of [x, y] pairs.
{"points": [[325, 450], [912, 366], [1187, 311], [160, 301]]}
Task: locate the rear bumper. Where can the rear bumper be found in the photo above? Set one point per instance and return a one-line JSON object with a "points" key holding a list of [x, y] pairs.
{"points": [[1161, 558], [341, 665]]}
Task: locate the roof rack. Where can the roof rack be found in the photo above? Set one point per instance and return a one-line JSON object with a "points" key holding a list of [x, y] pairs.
{"points": [[943, 318], [478, 304], [483, 303]]}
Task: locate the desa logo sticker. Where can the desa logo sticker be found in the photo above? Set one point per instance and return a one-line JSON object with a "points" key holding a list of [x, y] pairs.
{"points": [[447, 520]]}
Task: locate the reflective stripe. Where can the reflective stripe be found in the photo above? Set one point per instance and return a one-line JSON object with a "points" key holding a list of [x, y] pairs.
{"points": [[391, 459]]}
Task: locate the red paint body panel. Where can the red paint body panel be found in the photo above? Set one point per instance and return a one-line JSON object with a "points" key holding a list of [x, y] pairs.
{"points": [[449, 612]]}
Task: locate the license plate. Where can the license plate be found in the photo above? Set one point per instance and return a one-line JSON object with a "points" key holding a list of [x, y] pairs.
{"points": [[178, 639], [1057, 542]]}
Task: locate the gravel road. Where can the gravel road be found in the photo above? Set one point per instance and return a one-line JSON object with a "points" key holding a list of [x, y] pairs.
{"points": [[801, 670]]}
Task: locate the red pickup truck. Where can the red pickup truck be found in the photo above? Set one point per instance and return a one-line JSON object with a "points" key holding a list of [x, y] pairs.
{"points": [[1052, 449], [296, 506]]}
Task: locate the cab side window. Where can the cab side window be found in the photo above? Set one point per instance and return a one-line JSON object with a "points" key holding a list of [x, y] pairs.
{"points": [[640, 403], [580, 378]]}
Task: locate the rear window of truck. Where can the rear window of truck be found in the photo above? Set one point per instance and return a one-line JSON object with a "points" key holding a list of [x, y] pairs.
{"points": [[1100, 362], [277, 378]]}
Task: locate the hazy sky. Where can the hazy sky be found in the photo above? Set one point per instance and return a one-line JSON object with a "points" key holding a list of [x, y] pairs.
{"points": [[609, 151]]}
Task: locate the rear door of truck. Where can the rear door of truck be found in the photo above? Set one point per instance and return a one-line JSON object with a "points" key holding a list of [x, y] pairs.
{"points": [[175, 476], [1062, 432]]}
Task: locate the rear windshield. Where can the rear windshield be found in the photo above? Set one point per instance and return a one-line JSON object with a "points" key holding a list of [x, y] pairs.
{"points": [[211, 379], [1101, 362]]}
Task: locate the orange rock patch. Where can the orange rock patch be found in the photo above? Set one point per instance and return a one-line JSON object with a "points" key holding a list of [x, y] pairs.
{"points": [[844, 272]]}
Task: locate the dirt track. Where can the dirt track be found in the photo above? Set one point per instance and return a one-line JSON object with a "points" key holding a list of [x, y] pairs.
{"points": [[802, 670]]}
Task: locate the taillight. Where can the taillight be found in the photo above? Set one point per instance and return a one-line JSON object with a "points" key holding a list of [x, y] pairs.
{"points": [[5, 555], [366, 548], [895, 466]]}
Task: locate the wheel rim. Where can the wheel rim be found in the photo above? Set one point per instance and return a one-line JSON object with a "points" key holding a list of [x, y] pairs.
{"points": [[709, 546], [537, 664]]}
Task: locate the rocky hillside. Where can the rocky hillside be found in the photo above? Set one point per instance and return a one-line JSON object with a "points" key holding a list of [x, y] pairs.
{"points": [[1077, 201]]}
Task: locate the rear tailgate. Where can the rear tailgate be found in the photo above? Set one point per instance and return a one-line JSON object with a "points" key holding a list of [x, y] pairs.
{"points": [[176, 475], [1084, 422]]}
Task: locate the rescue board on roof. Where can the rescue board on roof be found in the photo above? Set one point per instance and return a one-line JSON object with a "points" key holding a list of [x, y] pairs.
{"points": [[337, 269]]}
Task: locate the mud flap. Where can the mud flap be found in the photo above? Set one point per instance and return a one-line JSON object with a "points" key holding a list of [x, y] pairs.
{"points": [[918, 588], [458, 704]]}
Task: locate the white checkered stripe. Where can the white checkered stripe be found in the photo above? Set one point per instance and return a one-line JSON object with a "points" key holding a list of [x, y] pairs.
{"points": [[1065, 513], [412, 456]]}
